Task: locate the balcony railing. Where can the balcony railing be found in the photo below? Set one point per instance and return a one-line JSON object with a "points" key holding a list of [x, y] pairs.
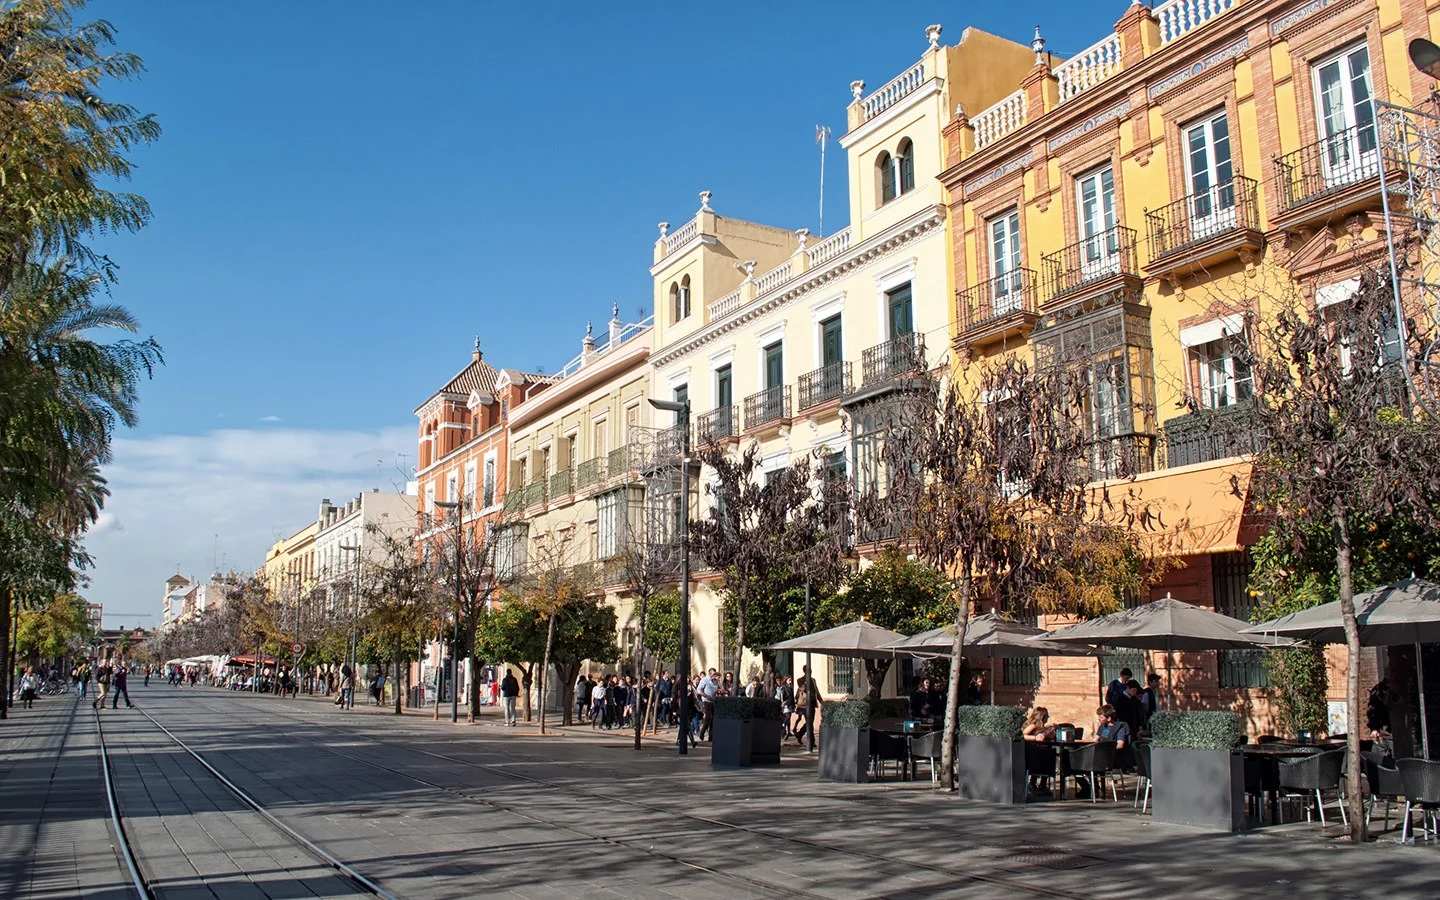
{"points": [[998, 297], [999, 120], [769, 405], [1086, 262], [824, 384], [1329, 165], [535, 492], [514, 501], [1177, 17], [718, 423], [590, 473], [1222, 209], [1210, 435], [830, 248], [904, 355], [562, 483], [1089, 67], [617, 464], [894, 90]]}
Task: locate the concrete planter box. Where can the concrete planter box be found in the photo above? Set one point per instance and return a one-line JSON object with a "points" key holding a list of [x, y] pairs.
{"points": [[765, 738], [990, 769], [731, 743], [844, 754], [1199, 788]]}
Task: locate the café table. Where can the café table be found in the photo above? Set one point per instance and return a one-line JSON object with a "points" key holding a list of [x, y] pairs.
{"points": [[1268, 758], [1060, 748], [896, 727]]}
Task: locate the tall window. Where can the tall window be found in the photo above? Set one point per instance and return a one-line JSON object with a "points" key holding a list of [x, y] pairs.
{"points": [[886, 166], [900, 313], [488, 498], [681, 394], [842, 675], [598, 445], [906, 164], [472, 485], [1230, 577], [1224, 380], [430, 499], [452, 487], [610, 522], [1347, 117], [1095, 203], [1005, 261], [1211, 175], [684, 309], [510, 551]]}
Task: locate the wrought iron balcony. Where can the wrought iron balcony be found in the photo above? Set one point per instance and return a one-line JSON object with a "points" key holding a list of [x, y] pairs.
{"points": [[903, 355], [535, 492], [1328, 167], [824, 384], [514, 501], [769, 405], [1091, 263], [998, 300], [1121, 456], [562, 483], [1214, 215], [722, 422], [1209, 435], [617, 464], [590, 473]]}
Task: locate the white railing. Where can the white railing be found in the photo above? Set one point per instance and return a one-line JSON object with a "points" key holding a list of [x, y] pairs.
{"points": [[773, 278], [726, 305], [626, 333], [889, 94], [1000, 119], [1179, 16], [681, 236], [1089, 67], [830, 248]]}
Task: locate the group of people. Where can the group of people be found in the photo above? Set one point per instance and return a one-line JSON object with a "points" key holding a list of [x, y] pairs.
{"points": [[1124, 717]]}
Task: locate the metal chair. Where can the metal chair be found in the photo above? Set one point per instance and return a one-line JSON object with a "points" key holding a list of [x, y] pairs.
{"points": [[1269, 739], [888, 748], [1088, 761], [927, 747], [1142, 776], [1313, 774], [1421, 779], [1385, 783], [1039, 762]]}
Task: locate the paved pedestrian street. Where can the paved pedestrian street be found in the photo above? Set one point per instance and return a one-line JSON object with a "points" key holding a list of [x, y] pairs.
{"points": [[425, 809]]}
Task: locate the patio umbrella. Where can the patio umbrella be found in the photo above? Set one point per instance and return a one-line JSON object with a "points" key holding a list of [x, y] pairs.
{"points": [[859, 639], [989, 637], [1165, 624], [1406, 612]]}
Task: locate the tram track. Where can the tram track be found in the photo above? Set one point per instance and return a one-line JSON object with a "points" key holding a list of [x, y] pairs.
{"points": [[144, 886], [765, 834]]}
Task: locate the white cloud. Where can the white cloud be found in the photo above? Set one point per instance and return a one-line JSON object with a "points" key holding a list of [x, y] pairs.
{"points": [[272, 419], [175, 493]]}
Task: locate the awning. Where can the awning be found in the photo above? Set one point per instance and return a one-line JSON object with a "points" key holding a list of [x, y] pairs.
{"points": [[1193, 510]]}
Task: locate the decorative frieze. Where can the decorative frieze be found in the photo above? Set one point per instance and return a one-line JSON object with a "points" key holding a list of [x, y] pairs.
{"points": [[1000, 171], [1200, 67], [1089, 125], [1301, 14]]}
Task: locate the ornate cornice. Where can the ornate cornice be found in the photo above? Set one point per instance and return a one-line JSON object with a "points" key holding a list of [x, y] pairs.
{"points": [[926, 221]]}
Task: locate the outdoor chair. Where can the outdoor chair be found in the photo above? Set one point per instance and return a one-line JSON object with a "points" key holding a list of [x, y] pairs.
{"points": [[1262, 777], [927, 747], [1269, 739], [1142, 777], [1039, 762], [1421, 780], [1088, 761], [888, 748], [1313, 774], [1385, 783]]}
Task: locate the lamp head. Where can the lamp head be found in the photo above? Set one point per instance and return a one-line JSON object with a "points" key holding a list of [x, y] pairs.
{"points": [[1426, 57], [674, 406]]}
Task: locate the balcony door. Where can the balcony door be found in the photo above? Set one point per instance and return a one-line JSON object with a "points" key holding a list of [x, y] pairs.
{"points": [[1211, 178], [901, 316], [1347, 117], [832, 358], [774, 379], [1005, 262], [1099, 240], [724, 397]]}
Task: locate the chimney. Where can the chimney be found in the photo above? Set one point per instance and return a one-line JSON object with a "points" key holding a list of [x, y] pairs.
{"points": [[324, 508], [476, 355]]}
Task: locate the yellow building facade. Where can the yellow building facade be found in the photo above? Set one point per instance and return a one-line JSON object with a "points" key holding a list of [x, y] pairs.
{"points": [[290, 563], [1131, 204]]}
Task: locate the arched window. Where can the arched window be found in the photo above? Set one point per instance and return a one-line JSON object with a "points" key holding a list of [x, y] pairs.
{"points": [[674, 302], [685, 297], [887, 177], [906, 158]]}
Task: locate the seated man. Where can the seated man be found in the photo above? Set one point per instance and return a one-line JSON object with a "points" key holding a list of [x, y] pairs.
{"points": [[1111, 728]]}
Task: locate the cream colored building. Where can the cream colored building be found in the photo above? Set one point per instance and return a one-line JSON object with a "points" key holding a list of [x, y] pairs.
{"points": [[784, 338]]}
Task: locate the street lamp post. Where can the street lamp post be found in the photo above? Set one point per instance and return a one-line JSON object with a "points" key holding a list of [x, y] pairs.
{"points": [[682, 409], [354, 652], [453, 506]]}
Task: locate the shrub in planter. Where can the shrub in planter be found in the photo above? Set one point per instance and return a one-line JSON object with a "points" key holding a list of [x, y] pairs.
{"points": [[845, 741], [990, 753], [767, 731], [889, 708], [732, 742], [1199, 776], [734, 708]]}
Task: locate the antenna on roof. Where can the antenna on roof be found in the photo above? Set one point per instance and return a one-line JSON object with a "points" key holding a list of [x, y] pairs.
{"points": [[822, 133]]}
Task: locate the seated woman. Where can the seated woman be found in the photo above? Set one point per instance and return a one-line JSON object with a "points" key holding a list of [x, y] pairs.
{"points": [[1039, 758]]}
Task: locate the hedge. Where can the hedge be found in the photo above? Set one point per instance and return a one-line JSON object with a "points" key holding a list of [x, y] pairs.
{"points": [[845, 713], [747, 708], [1196, 730], [1003, 722]]}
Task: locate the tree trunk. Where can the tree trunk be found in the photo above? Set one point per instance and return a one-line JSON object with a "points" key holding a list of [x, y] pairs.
{"points": [[472, 692], [739, 639], [875, 672], [527, 680], [1353, 710], [399, 685], [545, 667], [640, 675], [6, 602], [567, 673], [952, 697]]}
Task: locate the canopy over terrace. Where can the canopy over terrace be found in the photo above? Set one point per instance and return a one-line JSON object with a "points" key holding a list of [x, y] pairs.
{"points": [[860, 640], [1406, 612], [989, 636], [1166, 624], [248, 660]]}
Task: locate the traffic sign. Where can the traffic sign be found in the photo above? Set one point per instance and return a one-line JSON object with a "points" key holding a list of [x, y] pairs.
{"points": [[297, 648]]}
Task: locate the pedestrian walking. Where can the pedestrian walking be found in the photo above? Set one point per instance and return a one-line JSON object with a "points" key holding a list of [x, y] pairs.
{"points": [[347, 687], [147, 676], [510, 690], [120, 681], [102, 685], [29, 687]]}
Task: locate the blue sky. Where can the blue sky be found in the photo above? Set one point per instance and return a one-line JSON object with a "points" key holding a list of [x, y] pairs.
{"points": [[347, 192]]}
